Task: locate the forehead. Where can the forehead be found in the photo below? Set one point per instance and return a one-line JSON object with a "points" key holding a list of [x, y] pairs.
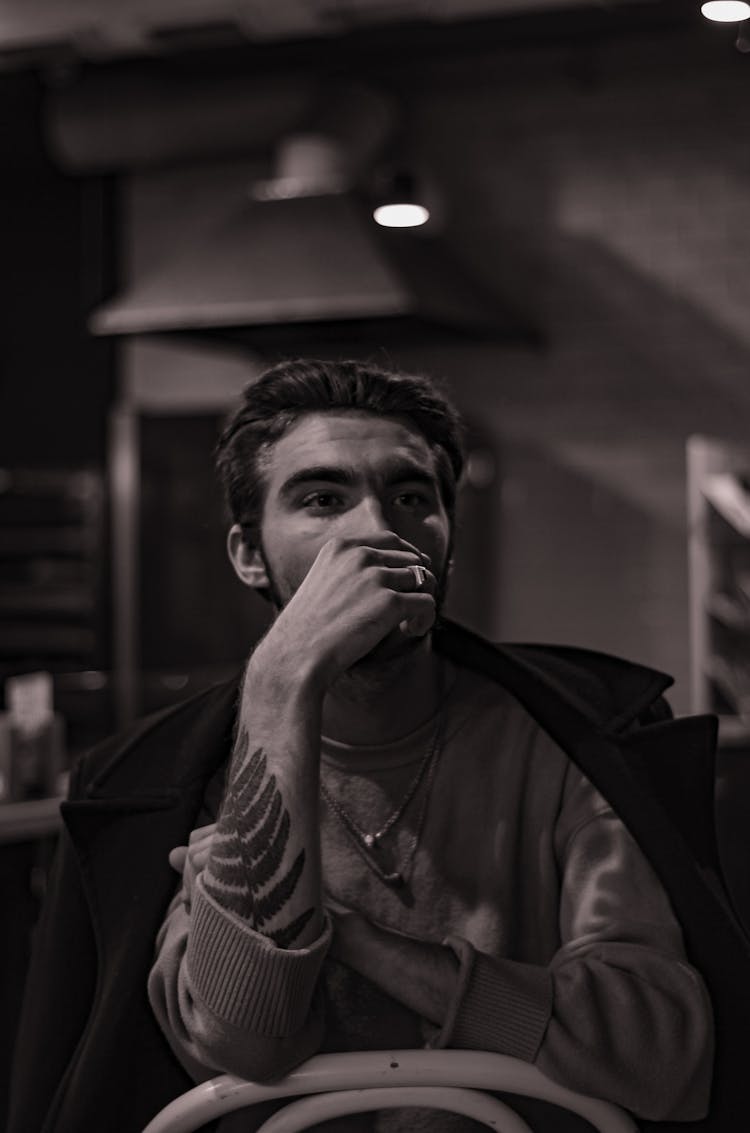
{"points": [[357, 439]]}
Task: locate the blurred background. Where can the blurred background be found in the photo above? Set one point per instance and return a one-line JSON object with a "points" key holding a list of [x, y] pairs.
{"points": [[188, 189]]}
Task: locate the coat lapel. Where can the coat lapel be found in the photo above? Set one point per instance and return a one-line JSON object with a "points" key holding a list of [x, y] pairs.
{"points": [[142, 802], [583, 730], [614, 760]]}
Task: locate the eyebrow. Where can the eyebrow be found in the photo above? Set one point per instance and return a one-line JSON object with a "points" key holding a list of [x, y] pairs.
{"points": [[398, 473]]}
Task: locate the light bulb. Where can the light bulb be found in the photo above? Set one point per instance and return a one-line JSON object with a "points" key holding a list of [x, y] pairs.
{"points": [[726, 11], [401, 215]]}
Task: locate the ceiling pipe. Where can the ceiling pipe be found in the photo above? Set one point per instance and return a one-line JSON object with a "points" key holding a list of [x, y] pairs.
{"points": [[107, 123]]}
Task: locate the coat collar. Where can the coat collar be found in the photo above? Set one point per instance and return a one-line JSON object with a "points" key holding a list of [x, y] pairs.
{"points": [[608, 692], [172, 752]]}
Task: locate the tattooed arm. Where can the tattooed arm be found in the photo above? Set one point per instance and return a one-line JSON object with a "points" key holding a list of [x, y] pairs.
{"points": [[239, 955], [264, 864]]}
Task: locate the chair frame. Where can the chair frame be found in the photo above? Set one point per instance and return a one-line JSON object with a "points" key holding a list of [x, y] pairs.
{"points": [[329, 1085]]}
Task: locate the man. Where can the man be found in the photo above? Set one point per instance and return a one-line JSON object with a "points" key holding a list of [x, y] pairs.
{"points": [[378, 844]]}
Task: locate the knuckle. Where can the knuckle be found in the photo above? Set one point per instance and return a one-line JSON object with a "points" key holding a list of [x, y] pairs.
{"points": [[385, 598], [335, 545], [385, 605], [383, 576], [360, 557], [401, 601]]}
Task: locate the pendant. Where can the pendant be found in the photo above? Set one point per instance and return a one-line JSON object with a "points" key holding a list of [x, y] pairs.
{"points": [[369, 840]]}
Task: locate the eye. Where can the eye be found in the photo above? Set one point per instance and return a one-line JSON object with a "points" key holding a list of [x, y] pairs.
{"points": [[321, 502], [412, 501]]}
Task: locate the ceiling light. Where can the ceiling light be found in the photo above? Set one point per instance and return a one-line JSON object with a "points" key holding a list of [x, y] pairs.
{"points": [[400, 204], [726, 11], [401, 215]]}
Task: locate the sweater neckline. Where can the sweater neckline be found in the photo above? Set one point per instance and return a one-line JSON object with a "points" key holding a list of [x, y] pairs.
{"points": [[407, 749]]}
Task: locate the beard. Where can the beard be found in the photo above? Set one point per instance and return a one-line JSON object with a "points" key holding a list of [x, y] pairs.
{"points": [[378, 671]]}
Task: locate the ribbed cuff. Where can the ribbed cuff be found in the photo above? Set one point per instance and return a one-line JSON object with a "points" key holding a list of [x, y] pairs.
{"points": [[243, 978], [499, 1005]]}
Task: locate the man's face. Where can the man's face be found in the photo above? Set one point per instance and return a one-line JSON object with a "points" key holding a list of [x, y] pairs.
{"points": [[348, 474]]}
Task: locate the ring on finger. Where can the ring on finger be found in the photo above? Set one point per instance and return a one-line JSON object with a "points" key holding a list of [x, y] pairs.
{"points": [[420, 574]]}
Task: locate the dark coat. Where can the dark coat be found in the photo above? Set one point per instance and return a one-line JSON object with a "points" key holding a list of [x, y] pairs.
{"points": [[89, 1053]]}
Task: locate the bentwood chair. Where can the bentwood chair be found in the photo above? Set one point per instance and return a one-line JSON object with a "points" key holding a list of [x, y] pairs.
{"points": [[332, 1085]]}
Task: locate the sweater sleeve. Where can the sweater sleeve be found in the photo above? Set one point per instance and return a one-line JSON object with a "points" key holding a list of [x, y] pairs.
{"points": [[227, 999], [618, 1012]]}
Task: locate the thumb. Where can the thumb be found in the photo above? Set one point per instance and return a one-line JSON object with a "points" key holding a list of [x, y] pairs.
{"points": [[417, 626], [177, 858]]}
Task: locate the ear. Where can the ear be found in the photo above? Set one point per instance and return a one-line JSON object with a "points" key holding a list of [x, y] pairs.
{"points": [[247, 561]]}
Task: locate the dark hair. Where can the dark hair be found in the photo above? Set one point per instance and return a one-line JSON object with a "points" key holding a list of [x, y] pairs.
{"points": [[290, 389]]}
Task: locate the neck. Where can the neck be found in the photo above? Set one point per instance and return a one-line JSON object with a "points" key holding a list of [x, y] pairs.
{"points": [[380, 703]]}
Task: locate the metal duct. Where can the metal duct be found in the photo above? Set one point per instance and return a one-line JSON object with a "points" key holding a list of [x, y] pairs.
{"points": [[317, 264]]}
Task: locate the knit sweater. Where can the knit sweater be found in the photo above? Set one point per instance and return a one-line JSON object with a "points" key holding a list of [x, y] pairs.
{"points": [[568, 953]]}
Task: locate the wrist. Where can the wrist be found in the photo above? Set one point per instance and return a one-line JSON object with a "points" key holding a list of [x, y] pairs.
{"points": [[283, 673]]}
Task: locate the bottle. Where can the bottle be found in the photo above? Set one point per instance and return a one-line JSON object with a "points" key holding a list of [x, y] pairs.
{"points": [[32, 738]]}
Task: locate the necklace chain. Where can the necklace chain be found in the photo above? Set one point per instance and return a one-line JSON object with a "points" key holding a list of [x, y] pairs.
{"points": [[366, 842], [370, 839]]}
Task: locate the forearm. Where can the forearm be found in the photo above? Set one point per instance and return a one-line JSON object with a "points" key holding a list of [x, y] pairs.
{"points": [[264, 863], [617, 1012], [239, 954], [622, 1021], [635, 1024], [419, 974], [227, 999]]}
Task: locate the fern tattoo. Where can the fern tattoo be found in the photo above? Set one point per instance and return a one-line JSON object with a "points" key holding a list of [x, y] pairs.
{"points": [[252, 835]]}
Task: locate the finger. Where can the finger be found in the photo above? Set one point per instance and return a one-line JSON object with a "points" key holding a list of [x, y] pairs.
{"points": [[407, 580], [383, 541], [201, 832], [373, 556], [335, 906], [201, 847], [199, 858], [418, 614], [177, 858], [415, 627]]}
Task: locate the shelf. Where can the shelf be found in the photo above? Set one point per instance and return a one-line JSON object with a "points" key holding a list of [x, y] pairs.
{"points": [[731, 612], [726, 493], [734, 732], [32, 598], [733, 681], [23, 541], [39, 639], [26, 821], [52, 554], [718, 499]]}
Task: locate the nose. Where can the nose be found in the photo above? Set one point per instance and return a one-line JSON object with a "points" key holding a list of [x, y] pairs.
{"points": [[369, 516]]}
